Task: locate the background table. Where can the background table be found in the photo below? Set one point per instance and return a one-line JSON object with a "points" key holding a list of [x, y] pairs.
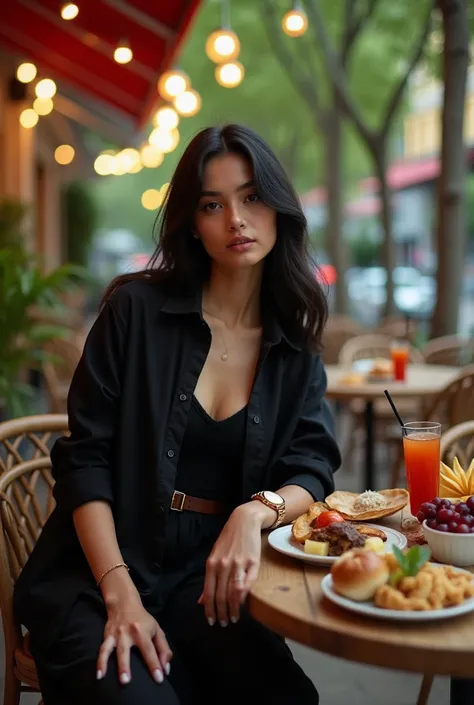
{"points": [[423, 382], [287, 598]]}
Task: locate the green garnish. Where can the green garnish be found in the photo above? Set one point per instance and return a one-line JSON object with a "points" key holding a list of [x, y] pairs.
{"points": [[410, 562]]}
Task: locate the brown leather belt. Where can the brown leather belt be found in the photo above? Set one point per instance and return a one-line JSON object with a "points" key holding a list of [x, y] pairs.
{"points": [[181, 502]]}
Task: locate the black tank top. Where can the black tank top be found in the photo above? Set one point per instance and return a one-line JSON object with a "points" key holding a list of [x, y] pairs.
{"points": [[210, 463]]}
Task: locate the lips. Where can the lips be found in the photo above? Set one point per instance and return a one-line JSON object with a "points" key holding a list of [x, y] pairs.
{"points": [[240, 240]]}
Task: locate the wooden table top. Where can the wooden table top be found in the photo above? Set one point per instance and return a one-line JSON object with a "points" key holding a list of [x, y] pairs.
{"points": [[422, 380], [287, 598]]}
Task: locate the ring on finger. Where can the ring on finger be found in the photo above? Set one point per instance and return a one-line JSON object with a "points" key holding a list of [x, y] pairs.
{"points": [[239, 577]]}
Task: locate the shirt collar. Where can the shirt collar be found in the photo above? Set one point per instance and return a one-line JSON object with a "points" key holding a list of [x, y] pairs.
{"points": [[273, 331]]}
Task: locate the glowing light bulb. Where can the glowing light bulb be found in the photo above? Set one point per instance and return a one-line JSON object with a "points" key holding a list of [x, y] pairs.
{"points": [[43, 106], [222, 45], [172, 83], [151, 199], [46, 88], [166, 118], [295, 22], [150, 156], [123, 53], [29, 118], [188, 103], [69, 11], [230, 75], [165, 140], [64, 154], [26, 72]]}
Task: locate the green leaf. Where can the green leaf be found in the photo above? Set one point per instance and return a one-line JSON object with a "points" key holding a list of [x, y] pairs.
{"points": [[410, 562], [402, 560]]}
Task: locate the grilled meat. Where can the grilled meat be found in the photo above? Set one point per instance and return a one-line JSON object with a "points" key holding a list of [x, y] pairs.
{"points": [[340, 536]]}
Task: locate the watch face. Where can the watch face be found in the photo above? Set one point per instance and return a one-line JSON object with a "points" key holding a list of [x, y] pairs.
{"points": [[273, 497]]}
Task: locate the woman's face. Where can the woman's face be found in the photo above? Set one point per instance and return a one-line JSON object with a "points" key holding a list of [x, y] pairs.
{"points": [[236, 229]]}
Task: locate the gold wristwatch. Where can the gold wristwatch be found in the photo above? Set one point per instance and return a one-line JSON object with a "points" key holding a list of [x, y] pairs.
{"points": [[274, 501]]}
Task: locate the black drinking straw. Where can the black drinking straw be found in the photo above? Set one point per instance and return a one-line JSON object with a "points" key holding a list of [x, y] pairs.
{"points": [[394, 408]]}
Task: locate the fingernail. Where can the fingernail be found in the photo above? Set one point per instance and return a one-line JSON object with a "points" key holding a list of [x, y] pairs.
{"points": [[234, 620], [167, 669], [211, 621], [158, 676], [223, 623], [99, 675], [124, 678]]}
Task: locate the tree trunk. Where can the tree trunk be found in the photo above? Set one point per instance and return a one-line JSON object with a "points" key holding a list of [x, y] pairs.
{"points": [[335, 244], [451, 229], [379, 154]]}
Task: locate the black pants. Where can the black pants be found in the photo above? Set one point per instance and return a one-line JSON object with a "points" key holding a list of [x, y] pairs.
{"points": [[243, 662]]}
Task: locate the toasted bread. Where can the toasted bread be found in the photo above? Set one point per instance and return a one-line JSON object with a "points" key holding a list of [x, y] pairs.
{"points": [[302, 529]]}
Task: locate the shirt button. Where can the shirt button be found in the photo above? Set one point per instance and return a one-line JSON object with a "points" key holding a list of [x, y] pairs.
{"points": [[170, 454], [256, 419], [182, 397]]}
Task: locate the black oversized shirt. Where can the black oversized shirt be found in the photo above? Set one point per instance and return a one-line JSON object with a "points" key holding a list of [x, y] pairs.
{"points": [[128, 407]]}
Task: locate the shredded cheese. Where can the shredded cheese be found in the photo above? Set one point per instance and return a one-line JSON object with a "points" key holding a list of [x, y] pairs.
{"points": [[370, 500]]}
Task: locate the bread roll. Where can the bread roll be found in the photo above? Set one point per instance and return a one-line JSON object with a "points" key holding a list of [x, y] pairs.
{"points": [[358, 574]]}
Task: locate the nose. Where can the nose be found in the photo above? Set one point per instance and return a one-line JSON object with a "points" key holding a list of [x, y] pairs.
{"points": [[235, 218]]}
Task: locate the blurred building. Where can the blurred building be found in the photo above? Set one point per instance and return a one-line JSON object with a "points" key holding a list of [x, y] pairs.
{"points": [[95, 95]]}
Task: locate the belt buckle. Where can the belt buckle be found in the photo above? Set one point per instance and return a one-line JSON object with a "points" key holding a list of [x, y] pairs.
{"points": [[180, 498]]}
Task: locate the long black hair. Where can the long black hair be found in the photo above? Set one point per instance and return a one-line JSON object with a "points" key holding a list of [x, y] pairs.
{"points": [[291, 279]]}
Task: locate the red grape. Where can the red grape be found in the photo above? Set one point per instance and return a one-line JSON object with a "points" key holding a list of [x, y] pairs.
{"points": [[428, 510], [456, 517], [445, 503], [444, 515], [420, 516], [466, 519], [463, 529], [462, 508], [471, 530], [443, 527], [470, 503], [436, 501], [452, 527], [431, 523]]}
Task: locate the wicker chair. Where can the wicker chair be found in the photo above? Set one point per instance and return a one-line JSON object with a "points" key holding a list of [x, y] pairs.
{"points": [[365, 347], [58, 372], [338, 331], [29, 437], [449, 350], [26, 502]]}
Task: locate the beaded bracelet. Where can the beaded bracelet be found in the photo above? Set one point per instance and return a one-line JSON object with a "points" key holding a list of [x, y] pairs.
{"points": [[109, 570]]}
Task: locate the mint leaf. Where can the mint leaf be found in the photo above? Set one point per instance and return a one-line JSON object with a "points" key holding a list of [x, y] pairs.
{"points": [[402, 560]]}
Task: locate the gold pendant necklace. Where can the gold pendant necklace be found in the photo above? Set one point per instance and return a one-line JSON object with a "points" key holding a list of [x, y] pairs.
{"points": [[225, 354]]}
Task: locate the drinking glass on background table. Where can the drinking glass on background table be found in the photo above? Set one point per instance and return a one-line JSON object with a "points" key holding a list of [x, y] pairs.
{"points": [[400, 353], [421, 448]]}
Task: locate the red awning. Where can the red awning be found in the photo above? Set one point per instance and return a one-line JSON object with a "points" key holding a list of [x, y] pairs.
{"points": [[79, 53]]}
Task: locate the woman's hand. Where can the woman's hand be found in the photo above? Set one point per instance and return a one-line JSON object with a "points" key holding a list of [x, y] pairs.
{"points": [[233, 564], [129, 624]]}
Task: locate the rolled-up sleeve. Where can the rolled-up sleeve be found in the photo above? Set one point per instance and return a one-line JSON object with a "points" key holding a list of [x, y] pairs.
{"points": [[83, 461], [313, 454]]}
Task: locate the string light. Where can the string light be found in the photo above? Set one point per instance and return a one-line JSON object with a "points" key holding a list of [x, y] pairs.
{"points": [[64, 154], [69, 11], [123, 53], [26, 72], [151, 199], [295, 22], [166, 118], [105, 164], [29, 118], [222, 45], [165, 140], [46, 88], [230, 75], [188, 103], [150, 156], [43, 106], [172, 83]]}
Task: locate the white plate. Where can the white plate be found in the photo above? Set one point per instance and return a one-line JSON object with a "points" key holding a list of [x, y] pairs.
{"points": [[368, 609], [282, 540]]}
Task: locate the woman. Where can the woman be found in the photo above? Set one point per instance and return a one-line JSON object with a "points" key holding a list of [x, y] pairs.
{"points": [[197, 420]]}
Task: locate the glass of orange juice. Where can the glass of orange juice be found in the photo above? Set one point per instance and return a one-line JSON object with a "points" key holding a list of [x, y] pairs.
{"points": [[400, 353], [421, 448]]}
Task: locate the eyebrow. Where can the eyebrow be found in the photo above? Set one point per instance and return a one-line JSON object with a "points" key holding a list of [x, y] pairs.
{"points": [[247, 184]]}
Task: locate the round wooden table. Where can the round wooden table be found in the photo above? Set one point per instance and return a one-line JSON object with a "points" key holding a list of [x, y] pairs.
{"points": [[423, 381], [287, 598]]}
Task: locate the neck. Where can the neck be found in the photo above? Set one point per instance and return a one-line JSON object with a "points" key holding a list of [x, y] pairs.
{"points": [[234, 297]]}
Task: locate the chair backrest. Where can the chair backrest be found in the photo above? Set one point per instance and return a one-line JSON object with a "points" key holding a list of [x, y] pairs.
{"points": [[371, 346], [339, 329], [458, 442], [449, 350], [29, 437], [26, 501], [397, 327], [455, 403]]}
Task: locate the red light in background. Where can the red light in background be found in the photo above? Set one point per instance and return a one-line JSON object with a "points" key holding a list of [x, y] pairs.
{"points": [[326, 274]]}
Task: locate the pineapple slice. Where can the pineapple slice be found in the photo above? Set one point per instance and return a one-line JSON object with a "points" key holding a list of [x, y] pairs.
{"points": [[455, 481], [316, 548], [374, 543]]}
